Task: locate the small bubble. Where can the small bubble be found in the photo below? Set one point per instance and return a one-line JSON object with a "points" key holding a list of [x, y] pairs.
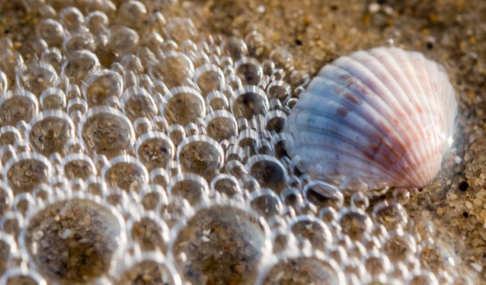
{"points": [[106, 131], [400, 247], [248, 102], [209, 77], [123, 40], [125, 172], [51, 31], [323, 195], [132, 13], [220, 243], [78, 166], [83, 255], [154, 149], [18, 105], [268, 171], [27, 170], [79, 65], [181, 29], [390, 214], [200, 155], [183, 105], [282, 58], [355, 223], [249, 70], [235, 47], [226, 184], [79, 41], [53, 99], [97, 21], [189, 186], [101, 85], [137, 102], [360, 201], [71, 18], [149, 270], [266, 203], [311, 229], [149, 232], [302, 270], [50, 131], [172, 69], [37, 77], [256, 43]]}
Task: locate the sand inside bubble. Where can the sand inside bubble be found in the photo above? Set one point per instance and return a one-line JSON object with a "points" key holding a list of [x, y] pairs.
{"points": [[220, 245], [146, 273], [106, 134], [301, 271], [155, 153], [73, 242]]}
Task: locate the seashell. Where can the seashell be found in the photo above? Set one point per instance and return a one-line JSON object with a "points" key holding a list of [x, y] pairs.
{"points": [[379, 117]]}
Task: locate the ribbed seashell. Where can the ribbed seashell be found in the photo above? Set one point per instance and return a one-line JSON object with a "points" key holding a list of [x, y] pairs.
{"points": [[379, 117]]}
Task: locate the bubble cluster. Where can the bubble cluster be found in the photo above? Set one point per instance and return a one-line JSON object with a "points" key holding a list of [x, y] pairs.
{"points": [[136, 149]]}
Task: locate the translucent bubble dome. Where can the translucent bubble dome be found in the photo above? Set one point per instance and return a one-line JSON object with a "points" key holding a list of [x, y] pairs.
{"points": [[145, 142]]}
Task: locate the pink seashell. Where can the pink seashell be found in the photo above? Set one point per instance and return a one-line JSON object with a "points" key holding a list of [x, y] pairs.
{"points": [[382, 116]]}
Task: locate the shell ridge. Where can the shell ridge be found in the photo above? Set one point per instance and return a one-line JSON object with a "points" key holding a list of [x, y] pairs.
{"points": [[403, 83], [356, 116], [389, 152], [393, 87], [359, 168], [375, 118], [329, 132], [437, 131], [398, 139], [360, 110], [333, 135], [386, 84], [313, 107], [425, 98], [375, 95], [372, 105], [337, 151], [437, 89], [435, 155], [449, 116], [436, 76]]}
